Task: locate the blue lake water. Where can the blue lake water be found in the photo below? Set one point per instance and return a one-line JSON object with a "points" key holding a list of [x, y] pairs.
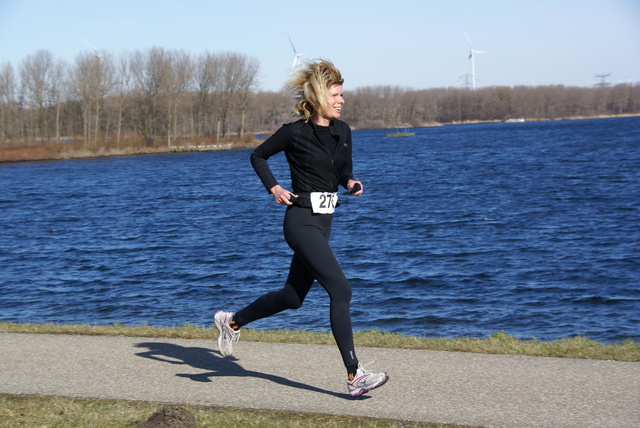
{"points": [[465, 230]]}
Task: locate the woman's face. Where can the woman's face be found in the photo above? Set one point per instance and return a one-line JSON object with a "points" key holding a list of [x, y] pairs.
{"points": [[334, 106]]}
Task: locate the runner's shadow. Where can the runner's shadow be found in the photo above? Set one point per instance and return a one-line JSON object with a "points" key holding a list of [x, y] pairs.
{"points": [[214, 365]]}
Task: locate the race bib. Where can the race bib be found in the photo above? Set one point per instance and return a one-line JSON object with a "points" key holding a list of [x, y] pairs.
{"points": [[323, 202]]}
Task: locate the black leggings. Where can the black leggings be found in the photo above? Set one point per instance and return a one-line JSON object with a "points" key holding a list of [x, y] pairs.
{"points": [[308, 236]]}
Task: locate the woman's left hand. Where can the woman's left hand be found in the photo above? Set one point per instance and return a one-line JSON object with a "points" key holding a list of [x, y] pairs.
{"points": [[352, 183]]}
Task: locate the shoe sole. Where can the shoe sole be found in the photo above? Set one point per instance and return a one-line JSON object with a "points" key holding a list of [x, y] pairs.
{"points": [[361, 391]]}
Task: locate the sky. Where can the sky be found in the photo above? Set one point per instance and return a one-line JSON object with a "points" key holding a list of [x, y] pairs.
{"points": [[415, 44]]}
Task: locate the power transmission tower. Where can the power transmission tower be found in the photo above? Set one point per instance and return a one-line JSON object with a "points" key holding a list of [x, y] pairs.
{"points": [[467, 81], [602, 78]]}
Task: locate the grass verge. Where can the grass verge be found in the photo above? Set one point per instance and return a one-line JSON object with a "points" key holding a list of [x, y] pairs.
{"points": [[30, 411], [498, 343]]}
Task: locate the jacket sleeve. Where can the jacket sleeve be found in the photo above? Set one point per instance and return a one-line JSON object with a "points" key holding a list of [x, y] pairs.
{"points": [[277, 143], [346, 173]]}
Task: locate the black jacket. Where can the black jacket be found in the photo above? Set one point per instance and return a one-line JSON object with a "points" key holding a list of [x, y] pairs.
{"points": [[314, 167]]}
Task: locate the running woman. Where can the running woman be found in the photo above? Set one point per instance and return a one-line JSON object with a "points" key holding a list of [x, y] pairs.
{"points": [[318, 150]]}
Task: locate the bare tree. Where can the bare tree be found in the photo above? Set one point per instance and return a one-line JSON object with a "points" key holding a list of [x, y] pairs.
{"points": [[151, 72], [178, 82], [39, 76], [83, 88], [106, 84], [206, 71], [92, 80], [8, 103], [58, 93], [237, 76], [246, 88], [123, 88]]}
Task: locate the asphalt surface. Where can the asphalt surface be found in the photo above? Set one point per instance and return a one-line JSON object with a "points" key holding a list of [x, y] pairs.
{"points": [[425, 386]]}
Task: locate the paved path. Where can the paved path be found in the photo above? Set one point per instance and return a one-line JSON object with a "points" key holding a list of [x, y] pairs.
{"points": [[428, 386]]}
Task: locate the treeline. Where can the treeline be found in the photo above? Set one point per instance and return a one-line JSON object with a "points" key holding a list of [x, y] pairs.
{"points": [[164, 98], [157, 96], [388, 106]]}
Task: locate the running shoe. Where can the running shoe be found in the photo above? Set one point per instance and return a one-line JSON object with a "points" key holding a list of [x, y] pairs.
{"points": [[227, 334], [365, 381]]}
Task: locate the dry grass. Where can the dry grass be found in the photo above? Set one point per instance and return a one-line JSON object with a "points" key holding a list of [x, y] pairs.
{"points": [[54, 151], [30, 153], [128, 146], [31, 411]]}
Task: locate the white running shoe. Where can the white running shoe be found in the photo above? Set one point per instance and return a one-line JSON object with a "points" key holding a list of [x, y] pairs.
{"points": [[365, 381], [227, 334]]}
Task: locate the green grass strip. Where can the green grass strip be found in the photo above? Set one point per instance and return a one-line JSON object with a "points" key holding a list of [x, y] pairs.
{"points": [[498, 343]]}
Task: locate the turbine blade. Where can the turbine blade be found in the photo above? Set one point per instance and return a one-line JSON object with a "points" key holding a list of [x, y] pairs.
{"points": [[468, 39], [90, 45], [290, 41]]}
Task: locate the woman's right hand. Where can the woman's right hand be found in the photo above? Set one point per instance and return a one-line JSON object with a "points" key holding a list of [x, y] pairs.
{"points": [[281, 195]]}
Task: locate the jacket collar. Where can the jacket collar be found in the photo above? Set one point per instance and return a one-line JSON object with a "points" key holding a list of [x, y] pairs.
{"points": [[332, 126]]}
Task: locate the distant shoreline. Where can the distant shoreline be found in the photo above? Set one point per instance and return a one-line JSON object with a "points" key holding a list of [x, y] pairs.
{"points": [[59, 151], [53, 152]]}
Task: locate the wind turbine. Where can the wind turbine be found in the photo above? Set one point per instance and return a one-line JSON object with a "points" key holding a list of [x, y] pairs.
{"points": [[99, 54], [472, 57], [296, 56]]}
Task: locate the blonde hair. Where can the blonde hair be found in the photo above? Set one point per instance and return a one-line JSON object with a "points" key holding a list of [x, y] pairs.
{"points": [[310, 86]]}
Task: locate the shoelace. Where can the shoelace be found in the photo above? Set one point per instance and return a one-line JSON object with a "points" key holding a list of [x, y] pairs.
{"points": [[235, 335], [363, 366]]}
